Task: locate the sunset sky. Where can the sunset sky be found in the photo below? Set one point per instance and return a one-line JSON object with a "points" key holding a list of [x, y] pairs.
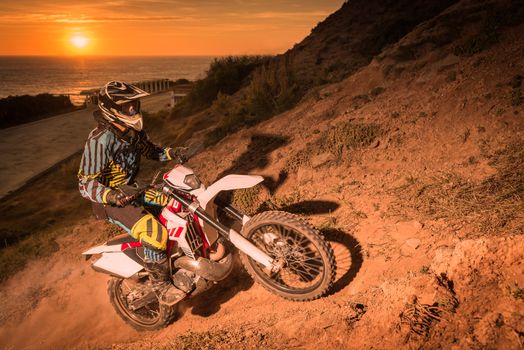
{"points": [[157, 27]]}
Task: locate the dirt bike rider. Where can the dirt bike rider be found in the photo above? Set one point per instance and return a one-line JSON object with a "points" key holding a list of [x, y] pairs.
{"points": [[111, 159]]}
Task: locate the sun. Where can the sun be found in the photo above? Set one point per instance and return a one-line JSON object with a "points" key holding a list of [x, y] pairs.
{"points": [[79, 41]]}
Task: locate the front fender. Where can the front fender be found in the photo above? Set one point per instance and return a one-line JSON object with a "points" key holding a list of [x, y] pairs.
{"points": [[228, 183]]}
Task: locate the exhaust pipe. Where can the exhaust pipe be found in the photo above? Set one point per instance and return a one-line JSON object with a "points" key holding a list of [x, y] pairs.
{"points": [[208, 269]]}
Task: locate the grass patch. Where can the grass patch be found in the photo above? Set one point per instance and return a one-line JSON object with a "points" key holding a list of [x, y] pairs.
{"points": [[349, 136], [489, 206], [477, 43], [50, 200], [344, 137], [494, 19], [38, 213], [298, 160], [14, 258]]}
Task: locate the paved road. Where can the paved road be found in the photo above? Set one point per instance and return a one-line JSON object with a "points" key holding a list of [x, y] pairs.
{"points": [[30, 149]]}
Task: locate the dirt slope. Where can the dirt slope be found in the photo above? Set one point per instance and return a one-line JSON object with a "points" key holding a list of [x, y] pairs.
{"points": [[349, 38], [413, 169]]}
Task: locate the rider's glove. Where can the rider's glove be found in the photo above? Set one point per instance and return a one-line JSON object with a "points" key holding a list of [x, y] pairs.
{"points": [[179, 154], [118, 199]]}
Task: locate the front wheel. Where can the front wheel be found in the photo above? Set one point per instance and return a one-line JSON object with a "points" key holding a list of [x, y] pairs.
{"points": [[308, 261], [147, 317]]}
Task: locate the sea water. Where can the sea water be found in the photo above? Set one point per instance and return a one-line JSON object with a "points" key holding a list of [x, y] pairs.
{"points": [[32, 75]]}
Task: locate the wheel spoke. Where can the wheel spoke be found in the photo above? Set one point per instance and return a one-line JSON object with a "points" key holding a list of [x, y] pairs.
{"points": [[147, 314], [303, 264], [303, 274], [312, 264]]}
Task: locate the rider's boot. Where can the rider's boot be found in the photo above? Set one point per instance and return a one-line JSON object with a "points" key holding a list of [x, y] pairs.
{"points": [[161, 284]]}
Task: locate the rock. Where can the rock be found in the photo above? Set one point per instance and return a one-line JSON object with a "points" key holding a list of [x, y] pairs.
{"points": [[413, 243], [412, 226], [406, 230], [441, 260]]}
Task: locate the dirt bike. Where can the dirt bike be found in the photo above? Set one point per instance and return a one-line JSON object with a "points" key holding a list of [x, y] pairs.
{"points": [[279, 250]]}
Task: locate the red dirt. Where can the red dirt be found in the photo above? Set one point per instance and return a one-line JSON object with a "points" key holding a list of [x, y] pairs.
{"points": [[388, 252]]}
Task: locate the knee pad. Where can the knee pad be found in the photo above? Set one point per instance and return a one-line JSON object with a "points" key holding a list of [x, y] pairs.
{"points": [[150, 232]]}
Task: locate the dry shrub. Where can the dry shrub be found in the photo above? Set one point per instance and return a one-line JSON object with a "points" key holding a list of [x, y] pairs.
{"points": [[283, 201], [359, 101], [247, 200], [225, 75], [272, 89], [494, 18], [343, 137], [487, 206], [298, 160], [348, 136], [417, 319]]}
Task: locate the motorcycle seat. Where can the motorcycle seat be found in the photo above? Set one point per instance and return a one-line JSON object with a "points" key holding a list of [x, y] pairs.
{"points": [[121, 239]]}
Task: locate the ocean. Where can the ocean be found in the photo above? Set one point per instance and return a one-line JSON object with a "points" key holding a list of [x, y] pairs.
{"points": [[70, 75]]}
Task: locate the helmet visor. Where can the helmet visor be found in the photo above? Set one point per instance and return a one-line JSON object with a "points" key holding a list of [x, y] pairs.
{"points": [[131, 108]]}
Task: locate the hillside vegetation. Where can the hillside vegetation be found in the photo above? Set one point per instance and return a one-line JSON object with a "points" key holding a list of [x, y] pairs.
{"points": [[409, 160], [16, 110]]}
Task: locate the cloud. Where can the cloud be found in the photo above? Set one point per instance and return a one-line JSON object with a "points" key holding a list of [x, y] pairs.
{"points": [[65, 18], [123, 19], [288, 15]]}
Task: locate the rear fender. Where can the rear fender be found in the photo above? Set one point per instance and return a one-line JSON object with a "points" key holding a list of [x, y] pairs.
{"points": [[117, 264], [228, 183], [103, 249]]}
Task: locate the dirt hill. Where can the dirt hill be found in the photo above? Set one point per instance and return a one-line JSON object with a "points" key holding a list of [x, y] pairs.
{"points": [[412, 167], [349, 38]]}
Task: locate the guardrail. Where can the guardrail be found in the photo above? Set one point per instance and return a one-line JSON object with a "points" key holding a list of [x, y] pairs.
{"points": [[151, 86]]}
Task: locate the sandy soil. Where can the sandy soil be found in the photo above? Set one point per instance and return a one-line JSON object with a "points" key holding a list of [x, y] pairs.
{"points": [[402, 268]]}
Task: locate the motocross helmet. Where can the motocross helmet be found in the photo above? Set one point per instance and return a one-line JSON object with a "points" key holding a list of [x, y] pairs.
{"points": [[119, 102]]}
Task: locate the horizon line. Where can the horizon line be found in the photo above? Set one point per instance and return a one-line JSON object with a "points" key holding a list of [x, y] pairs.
{"points": [[163, 55]]}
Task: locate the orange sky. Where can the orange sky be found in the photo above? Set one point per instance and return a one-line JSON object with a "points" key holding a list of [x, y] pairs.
{"points": [[158, 27]]}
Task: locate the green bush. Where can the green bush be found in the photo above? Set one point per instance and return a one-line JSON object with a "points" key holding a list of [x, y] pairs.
{"points": [[15, 110], [226, 75], [272, 89]]}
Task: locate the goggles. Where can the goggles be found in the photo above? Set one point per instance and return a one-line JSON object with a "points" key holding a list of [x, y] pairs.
{"points": [[131, 108]]}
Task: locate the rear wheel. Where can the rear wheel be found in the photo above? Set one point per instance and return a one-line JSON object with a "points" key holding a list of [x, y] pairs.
{"points": [[308, 261], [152, 316]]}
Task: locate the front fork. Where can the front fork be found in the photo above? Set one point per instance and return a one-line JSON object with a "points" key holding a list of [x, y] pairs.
{"points": [[272, 265]]}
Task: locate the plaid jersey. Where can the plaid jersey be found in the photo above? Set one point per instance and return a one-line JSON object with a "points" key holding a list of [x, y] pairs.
{"points": [[108, 162]]}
